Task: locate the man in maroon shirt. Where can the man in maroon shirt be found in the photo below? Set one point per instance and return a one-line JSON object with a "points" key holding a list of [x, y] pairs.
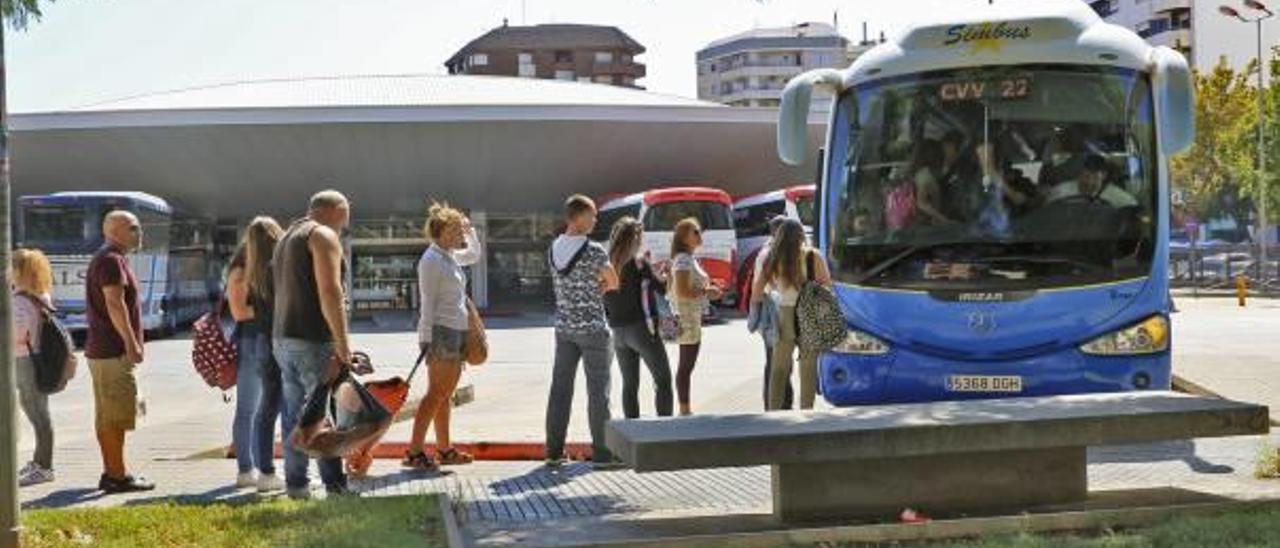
{"points": [[114, 347]]}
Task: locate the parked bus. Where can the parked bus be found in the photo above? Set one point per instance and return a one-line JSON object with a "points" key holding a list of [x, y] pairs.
{"points": [[660, 209], [751, 217], [1029, 256], [176, 268]]}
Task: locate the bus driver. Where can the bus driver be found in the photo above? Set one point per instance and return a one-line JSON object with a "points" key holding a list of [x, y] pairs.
{"points": [[1092, 185]]}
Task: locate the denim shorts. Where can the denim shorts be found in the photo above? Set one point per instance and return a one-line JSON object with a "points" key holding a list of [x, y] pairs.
{"points": [[446, 344]]}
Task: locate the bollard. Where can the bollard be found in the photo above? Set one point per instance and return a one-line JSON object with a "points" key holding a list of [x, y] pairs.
{"points": [[1242, 289]]}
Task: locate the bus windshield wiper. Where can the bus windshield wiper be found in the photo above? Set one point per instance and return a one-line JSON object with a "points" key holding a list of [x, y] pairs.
{"points": [[886, 264], [1048, 259]]}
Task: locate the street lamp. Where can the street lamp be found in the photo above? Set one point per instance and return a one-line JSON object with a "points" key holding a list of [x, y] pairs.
{"points": [[1265, 14]]}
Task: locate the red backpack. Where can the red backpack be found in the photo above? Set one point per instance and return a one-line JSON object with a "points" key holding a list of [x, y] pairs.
{"points": [[213, 352]]}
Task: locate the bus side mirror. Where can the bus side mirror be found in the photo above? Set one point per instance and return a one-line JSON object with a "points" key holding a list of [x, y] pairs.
{"points": [[1175, 101], [793, 116]]}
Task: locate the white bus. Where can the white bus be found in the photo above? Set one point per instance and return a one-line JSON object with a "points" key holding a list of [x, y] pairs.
{"points": [[751, 217], [175, 267], [660, 210]]}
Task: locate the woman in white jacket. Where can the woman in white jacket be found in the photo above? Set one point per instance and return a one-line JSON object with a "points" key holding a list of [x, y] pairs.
{"points": [[442, 329]]}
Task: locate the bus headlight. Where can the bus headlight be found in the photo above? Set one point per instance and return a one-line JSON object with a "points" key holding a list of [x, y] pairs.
{"points": [[1147, 337], [857, 342]]}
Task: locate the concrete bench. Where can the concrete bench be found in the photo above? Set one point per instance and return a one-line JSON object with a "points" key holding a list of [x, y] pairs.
{"points": [[944, 456]]}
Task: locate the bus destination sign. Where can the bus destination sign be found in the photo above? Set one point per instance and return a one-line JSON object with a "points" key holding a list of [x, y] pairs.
{"points": [[1002, 89]]}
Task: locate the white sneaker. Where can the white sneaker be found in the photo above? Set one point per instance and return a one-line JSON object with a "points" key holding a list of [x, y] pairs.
{"points": [[27, 469], [299, 493], [245, 479], [33, 475], [270, 482]]}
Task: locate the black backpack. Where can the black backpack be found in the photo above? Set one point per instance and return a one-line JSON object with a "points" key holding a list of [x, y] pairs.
{"points": [[54, 361]]}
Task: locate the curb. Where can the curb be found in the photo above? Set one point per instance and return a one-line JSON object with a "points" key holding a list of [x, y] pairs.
{"points": [[1095, 520], [452, 532], [1182, 384]]}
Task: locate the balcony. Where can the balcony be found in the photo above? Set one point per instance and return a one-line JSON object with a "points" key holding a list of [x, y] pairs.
{"points": [[744, 94], [633, 69], [746, 70], [1176, 38], [1158, 6]]}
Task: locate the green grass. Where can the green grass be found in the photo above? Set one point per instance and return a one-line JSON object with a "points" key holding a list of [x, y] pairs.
{"points": [[1254, 529], [381, 522]]}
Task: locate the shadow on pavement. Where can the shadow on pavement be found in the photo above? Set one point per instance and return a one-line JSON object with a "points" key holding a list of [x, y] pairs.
{"points": [[1176, 450], [65, 498]]}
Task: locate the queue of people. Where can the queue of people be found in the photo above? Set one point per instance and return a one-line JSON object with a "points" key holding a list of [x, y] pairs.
{"points": [[284, 289]]}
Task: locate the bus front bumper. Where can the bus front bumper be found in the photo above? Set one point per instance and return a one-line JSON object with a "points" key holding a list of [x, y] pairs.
{"points": [[902, 376]]}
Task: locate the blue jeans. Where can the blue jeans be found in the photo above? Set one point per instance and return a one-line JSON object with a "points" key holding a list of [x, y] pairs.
{"points": [[258, 395], [302, 368]]}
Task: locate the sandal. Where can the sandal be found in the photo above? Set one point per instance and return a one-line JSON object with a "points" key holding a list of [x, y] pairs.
{"points": [[419, 460], [453, 456]]}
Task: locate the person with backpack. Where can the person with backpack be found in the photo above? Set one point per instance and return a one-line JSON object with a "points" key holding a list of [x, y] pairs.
{"points": [[258, 384], [690, 296], [581, 276], [442, 330], [632, 312], [33, 281], [791, 265]]}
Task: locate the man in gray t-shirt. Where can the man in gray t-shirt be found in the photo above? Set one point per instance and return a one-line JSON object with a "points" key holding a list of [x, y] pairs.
{"points": [[582, 276]]}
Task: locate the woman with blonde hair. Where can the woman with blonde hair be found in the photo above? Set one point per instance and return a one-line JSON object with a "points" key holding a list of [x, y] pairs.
{"points": [[259, 386], [442, 329], [692, 292], [32, 283], [791, 264]]}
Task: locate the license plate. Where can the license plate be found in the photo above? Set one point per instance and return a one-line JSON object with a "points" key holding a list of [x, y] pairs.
{"points": [[984, 383]]}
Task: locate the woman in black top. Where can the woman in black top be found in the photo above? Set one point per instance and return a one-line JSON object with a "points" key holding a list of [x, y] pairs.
{"points": [[259, 389], [632, 311]]}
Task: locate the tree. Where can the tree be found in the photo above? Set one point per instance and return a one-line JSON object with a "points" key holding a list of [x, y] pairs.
{"points": [[1221, 160], [16, 14]]}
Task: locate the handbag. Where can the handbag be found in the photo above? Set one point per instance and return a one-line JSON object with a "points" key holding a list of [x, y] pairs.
{"points": [[475, 349], [819, 319], [668, 322], [339, 417], [213, 352]]}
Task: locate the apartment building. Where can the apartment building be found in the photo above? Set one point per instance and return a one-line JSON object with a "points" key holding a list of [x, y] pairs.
{"points": [[584, 53], [1194, 27], [751, 68]]}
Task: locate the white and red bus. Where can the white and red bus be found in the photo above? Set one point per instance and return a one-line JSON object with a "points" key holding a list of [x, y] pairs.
{"points": [[751, 217], [660, 210]]}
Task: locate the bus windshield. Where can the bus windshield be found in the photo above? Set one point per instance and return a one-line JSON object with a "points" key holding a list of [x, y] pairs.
{"points": [[711, 215], [63, 228], [1019, 177]]}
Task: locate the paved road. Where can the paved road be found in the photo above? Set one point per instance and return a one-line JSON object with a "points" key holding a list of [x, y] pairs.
{"points": [[1216, 345]]}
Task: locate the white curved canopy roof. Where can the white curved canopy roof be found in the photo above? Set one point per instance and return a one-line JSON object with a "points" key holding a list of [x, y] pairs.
{"points": [[393, 142]]}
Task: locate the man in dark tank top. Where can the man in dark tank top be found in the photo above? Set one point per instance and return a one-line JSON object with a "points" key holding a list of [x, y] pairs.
{"points": [[310, 324]]}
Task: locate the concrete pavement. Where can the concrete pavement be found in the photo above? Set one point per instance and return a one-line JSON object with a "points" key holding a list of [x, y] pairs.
{"points": [[1216, 345]]}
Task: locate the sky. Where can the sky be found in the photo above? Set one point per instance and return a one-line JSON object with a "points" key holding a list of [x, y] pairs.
{"points": [[86, 51]]}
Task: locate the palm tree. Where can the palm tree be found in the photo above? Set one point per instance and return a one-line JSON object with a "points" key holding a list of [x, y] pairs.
{"points": [[16, 14]]}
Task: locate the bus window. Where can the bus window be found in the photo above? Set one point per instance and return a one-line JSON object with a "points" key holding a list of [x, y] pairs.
{"points": [[753, 221], [62, 228], [806, 211], [997, 204], [607, 218], [711, 215]]}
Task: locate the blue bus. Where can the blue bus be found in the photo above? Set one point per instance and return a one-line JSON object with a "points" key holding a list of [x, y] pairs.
{"points": [[176, 266], [994, 205]]}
